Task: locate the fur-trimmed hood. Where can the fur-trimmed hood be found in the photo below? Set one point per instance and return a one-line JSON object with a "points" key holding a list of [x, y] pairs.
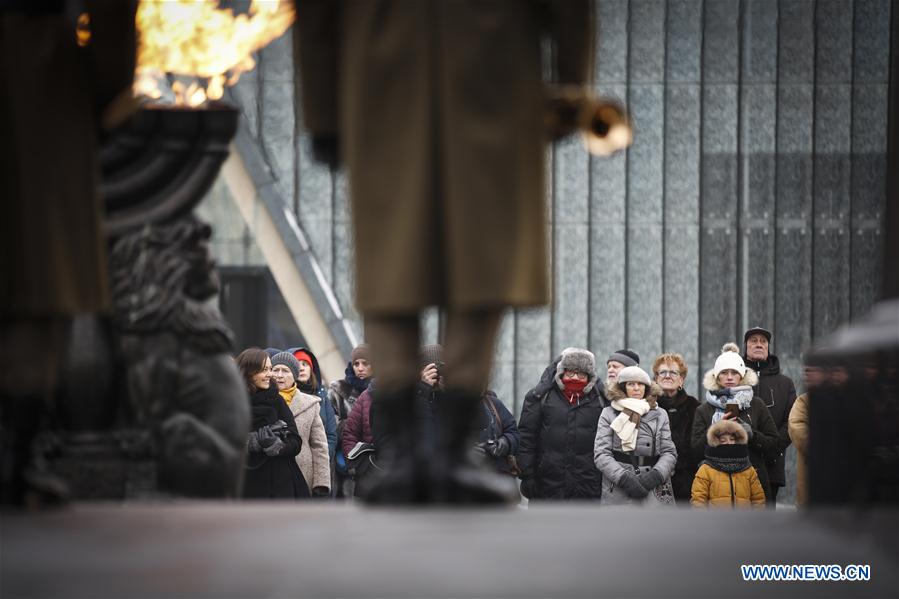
{"points": [[614, 392], [710, 381], [726, 426]]}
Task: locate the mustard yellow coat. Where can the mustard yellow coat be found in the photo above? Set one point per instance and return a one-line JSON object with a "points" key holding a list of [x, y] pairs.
{"points": [[713, 488]]}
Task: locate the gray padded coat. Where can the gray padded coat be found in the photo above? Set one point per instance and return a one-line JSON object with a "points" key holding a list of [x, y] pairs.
{"points": [[653, 438]]}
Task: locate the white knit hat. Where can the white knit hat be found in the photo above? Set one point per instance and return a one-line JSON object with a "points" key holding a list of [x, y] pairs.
{"points": [[729, 359], [634, 374]]}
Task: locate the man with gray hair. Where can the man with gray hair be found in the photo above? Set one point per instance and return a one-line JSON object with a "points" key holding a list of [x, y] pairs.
{"points": [[619, 359]]}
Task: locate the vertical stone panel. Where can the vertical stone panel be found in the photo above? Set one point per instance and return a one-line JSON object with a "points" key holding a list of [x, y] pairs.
{"points": [[647, 41], [796, 41], [720, 35], [832, 196], [645, 204], [532, 350], [612, 43], [830, 294], [503, 378], [644, 291], [682, 158], [607, 299], [717, 291], [759, 59], [681, 292], [833, 41], [867, 244], [871, 59], [571, 251], [684, 31]]}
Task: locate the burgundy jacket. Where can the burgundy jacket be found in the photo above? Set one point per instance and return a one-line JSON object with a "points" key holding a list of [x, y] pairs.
{"points": [[358, 423]]}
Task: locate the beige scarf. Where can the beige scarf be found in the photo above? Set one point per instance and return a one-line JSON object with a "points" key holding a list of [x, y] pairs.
{"points": [[627, 422]]}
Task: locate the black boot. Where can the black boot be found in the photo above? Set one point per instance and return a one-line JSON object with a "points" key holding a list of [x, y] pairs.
{"points": [[456, 476], [402, 469]]}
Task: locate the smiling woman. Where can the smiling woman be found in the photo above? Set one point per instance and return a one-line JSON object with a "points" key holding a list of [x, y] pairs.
{"points": [[273, 439]]}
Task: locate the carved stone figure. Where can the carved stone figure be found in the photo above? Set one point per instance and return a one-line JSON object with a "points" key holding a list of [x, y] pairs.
{"points": [[182, 384]]}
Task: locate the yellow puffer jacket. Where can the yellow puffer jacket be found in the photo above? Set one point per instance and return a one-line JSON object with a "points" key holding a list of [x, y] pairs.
{"points": [[714, 488]]}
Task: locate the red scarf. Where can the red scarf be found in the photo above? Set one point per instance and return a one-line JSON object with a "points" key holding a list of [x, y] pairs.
{"points": [[574, 390]]}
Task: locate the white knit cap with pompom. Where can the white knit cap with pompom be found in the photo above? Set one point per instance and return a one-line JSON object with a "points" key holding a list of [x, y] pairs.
{"points": [[729, 359]]}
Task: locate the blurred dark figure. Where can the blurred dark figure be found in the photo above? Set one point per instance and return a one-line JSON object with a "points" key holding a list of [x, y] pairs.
{"points": [[853, 418], [437, 109], [778, 393], [58, 86], [814, 374]]}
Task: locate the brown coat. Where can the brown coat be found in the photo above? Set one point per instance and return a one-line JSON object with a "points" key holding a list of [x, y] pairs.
{"points": [[438, 107], [52, 250], [799, 436]]}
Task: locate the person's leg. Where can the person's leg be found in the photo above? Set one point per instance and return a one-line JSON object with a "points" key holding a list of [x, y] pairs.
{"points": [[394, 344], [468, 351]]}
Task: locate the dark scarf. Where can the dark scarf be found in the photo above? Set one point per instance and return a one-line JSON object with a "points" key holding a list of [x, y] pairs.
{"points": [[263, 406], [673, 403], [354, 381], [307, 387], [728, 458], [573, 390]]}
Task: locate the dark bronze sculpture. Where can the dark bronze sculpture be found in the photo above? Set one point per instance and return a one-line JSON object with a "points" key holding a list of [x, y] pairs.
{"points": [[151, 403]]}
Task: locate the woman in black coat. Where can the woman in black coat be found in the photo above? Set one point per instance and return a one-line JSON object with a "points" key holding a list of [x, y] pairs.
{"points": [[558, 428], [273, 441], [730, 396]]}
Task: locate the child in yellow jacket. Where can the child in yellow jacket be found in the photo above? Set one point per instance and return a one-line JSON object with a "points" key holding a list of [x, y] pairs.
{"points": [[726, 479]]}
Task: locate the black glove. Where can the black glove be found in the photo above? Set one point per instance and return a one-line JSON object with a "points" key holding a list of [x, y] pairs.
{"points": [[320, 492], [326, 149], [275, 448], [500, 448], [266, 436], [253, 443], [651, 479], [631, 485]]}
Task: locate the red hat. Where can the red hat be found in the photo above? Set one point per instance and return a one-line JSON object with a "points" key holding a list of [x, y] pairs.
{"points": [[303, 356]]}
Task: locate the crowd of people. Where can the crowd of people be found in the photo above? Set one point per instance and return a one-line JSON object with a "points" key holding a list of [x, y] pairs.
{"points": [[633, 437]]}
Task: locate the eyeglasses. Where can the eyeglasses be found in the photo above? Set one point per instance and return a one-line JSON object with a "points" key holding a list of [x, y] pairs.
{"points": [[671, 373]]}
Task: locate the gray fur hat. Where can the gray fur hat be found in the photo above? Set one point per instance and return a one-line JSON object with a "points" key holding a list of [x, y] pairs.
{"points": [[578, 360], [286, 358]]}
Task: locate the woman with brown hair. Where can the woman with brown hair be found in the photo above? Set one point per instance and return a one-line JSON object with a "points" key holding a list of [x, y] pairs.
{"points": [[273, 441]]}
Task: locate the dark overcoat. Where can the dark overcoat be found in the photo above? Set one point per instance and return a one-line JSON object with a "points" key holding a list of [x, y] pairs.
{"points": [[778, 393], [52, 248], [279, 476], [438, 107]]}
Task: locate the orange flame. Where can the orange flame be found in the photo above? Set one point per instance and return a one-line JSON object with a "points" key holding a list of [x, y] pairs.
{"points": [[195, 38]]}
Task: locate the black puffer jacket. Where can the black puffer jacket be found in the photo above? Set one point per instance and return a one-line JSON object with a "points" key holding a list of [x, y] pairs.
{"points": [[556, 451], [778, 393], [681, 410]]}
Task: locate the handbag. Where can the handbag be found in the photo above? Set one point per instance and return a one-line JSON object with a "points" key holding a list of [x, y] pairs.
{"points": [[511, 460]]}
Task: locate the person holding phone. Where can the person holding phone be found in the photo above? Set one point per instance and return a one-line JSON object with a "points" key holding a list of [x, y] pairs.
{"points": [[730, 396]]}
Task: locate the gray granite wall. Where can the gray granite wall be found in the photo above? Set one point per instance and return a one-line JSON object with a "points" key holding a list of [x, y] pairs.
{"points": [[753, 192]]}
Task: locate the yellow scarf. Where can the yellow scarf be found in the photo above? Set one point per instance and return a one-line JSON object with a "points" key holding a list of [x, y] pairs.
{"points": [[288, 394]]}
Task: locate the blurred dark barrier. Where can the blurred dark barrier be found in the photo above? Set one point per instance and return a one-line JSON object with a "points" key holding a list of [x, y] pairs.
{"points": [[853, 456]]}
